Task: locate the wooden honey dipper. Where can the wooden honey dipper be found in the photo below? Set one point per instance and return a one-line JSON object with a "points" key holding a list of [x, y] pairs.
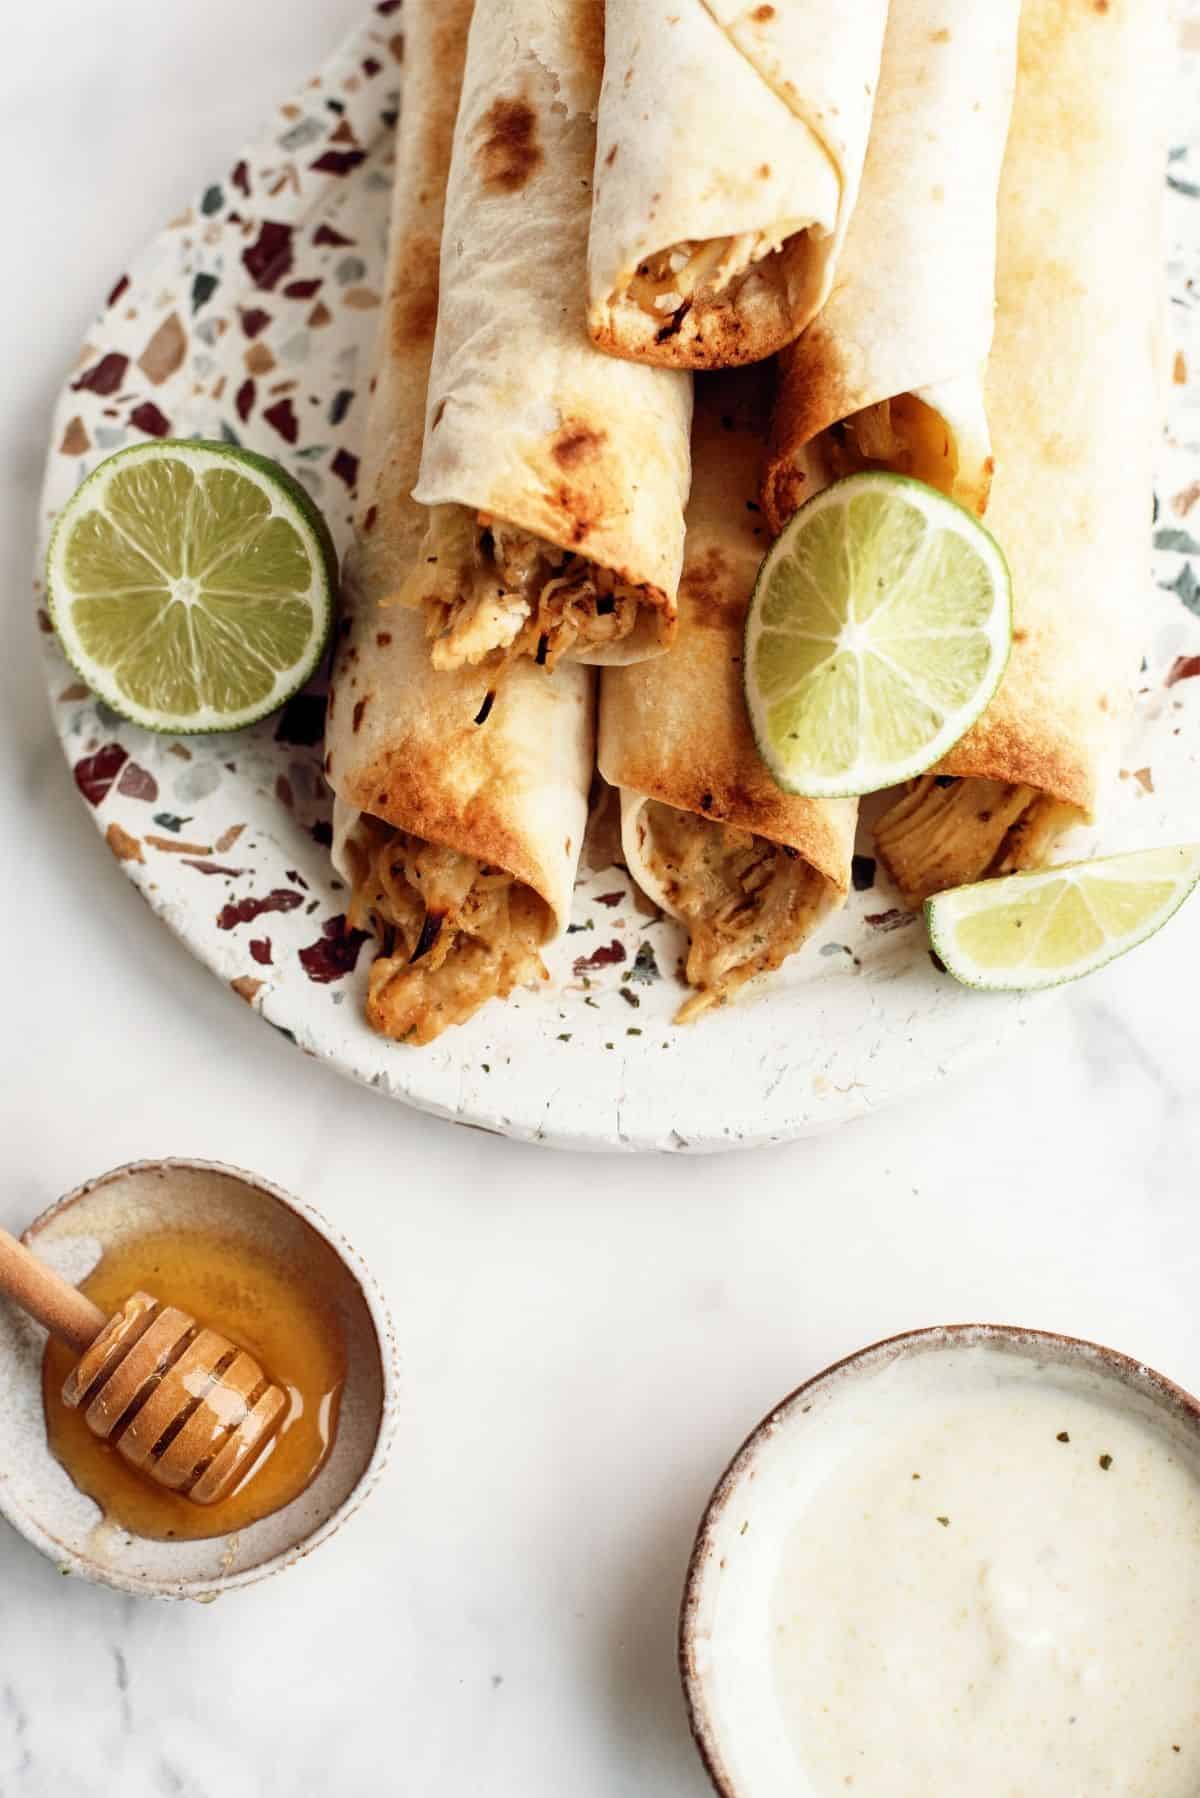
{"points": [[182, 1404]]}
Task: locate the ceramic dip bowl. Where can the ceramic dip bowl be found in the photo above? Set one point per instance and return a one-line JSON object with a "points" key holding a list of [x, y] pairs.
{"points": [[963, 1560], [37, 1496]]}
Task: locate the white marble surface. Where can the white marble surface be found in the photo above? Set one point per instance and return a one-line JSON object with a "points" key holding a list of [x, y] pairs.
{"points": [[584, 1340]]}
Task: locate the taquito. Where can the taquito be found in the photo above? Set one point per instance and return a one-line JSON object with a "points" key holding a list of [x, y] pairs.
{"points": [[460, 810], [555, 479], [891, 374], [1074, 402], [707, 834], [730, 141]]}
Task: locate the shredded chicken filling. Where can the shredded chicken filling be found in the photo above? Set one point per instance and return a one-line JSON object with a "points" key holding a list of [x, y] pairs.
{"points": [[671, 281], [454, 932], [748, 903], [902, 435], [493, 592], [946, 832]]}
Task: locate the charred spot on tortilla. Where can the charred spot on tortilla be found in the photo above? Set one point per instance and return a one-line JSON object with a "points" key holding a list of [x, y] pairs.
{"points": [[611, 157], [489, 700], [431, 929], [588, 24], [579, 516], [416, 321], [762, 15], [359, 709], [370, 519], [705, 586], [674, 324], [438, 416], [414, 306], [575, 443], [448, 47], [382, 638], [510, 152]]}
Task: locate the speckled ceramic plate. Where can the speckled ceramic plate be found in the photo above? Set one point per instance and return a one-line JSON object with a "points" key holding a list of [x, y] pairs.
{"points": [[252, 319], [726, 1639]]}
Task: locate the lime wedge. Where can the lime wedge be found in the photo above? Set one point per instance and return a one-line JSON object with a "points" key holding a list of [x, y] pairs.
{"points": [[191, 585], [1035, 930], [878, 631]]}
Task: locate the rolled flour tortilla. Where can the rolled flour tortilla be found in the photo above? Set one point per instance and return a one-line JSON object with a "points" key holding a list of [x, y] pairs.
{"points": [[891, 374], [707, 834], [460, 810], [1074, 398], [729, 146], [555, 479]]}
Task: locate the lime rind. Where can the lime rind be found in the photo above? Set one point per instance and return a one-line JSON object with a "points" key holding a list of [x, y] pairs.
{"points": [[1042, 929], [250, 538], [933, 606]]}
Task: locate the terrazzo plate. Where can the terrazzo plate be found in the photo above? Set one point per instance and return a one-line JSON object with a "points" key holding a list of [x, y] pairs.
{"points": [[252, 319]]}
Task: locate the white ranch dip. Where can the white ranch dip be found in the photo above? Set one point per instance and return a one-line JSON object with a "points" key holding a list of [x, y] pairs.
{"points": [[963, 1566], [997, 1595]]}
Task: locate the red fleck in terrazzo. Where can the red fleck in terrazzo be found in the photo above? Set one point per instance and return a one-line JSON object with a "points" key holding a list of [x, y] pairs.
{"points": [[137, 783], [244, 911], [148, 419], [282, 418], [106, 377], [334, 954], [95, 774], [609, 955], [269, 257]]}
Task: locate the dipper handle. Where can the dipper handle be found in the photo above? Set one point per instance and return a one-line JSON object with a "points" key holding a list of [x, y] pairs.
{"points": [[53, 1301]]}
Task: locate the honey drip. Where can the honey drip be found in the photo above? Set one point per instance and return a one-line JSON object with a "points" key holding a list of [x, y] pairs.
{"points": [[284, 1321]]}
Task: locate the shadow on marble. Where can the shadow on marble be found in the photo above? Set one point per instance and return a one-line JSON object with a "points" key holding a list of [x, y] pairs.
{"points": [[637, 1676]]}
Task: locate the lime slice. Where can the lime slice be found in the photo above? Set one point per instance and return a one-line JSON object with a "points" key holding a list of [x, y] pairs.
{"points": [[1035, 930], [191, 585], [879, 629]]}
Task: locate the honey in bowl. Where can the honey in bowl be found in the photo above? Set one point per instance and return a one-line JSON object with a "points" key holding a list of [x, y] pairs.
{"points": [[278, 1314]]}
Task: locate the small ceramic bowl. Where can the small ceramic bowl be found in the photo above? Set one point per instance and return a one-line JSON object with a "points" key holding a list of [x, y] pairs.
{"points": [[36, 1495], [724, 1645]]}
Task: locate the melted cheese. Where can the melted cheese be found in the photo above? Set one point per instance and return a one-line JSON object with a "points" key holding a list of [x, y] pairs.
{"points": [[902, 435], [946, 833], [747, 903], [455, 933], [493, 592]]}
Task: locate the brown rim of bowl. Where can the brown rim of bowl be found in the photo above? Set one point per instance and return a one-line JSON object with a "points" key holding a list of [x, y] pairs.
{"points": [[385, 1336], [1128, 1371]]}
